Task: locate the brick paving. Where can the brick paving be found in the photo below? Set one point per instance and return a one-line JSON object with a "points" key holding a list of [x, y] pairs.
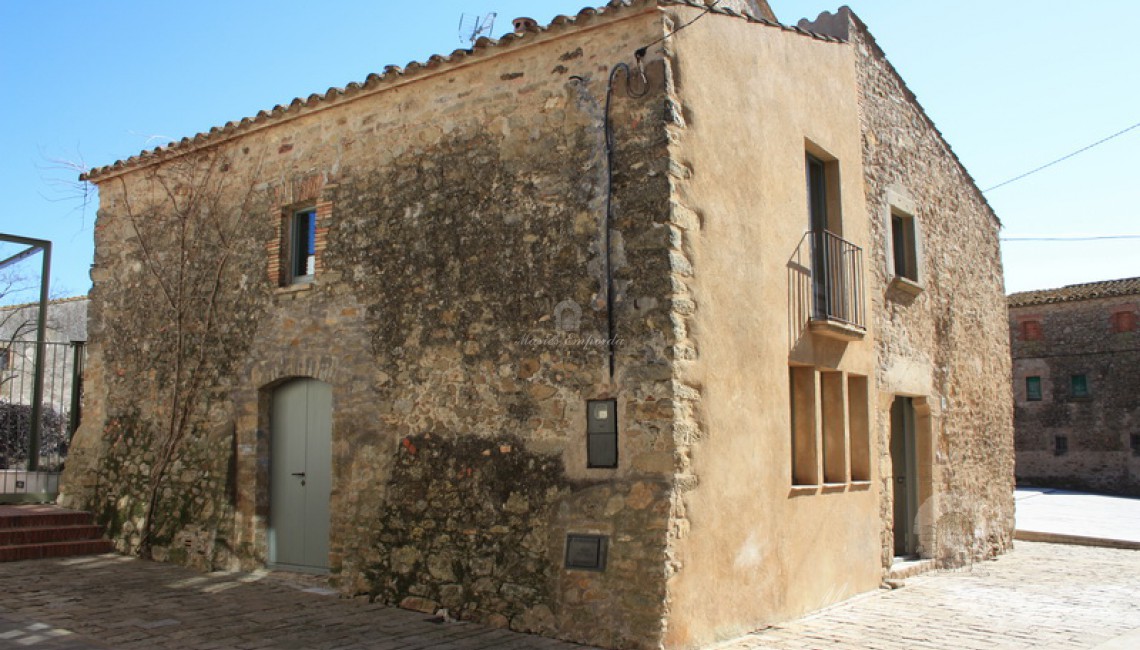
{"points": [[1041, 596], [111, 602]]}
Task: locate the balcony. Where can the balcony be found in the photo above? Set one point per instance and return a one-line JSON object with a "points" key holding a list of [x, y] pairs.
{"points": [[827, 293]]}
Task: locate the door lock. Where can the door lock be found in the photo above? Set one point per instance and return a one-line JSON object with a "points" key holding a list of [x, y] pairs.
{"points": [[302, 475]]}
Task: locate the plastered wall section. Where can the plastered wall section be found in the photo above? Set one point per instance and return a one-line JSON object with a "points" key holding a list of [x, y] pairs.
{"points": [[747, 548], [456, 211], [1078, 338], [940, 340]]}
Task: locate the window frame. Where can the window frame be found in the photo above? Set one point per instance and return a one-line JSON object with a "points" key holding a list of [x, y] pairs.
{"points": [[296, 236], [1033, 388], [902, 229], [1082, 380]]}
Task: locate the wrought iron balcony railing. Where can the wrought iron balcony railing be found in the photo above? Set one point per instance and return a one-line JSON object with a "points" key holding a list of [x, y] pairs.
{"points": [[837, 280]]}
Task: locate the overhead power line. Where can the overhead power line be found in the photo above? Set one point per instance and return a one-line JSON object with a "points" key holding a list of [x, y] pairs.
{"points": [[1062, 158], [1070, 238]]}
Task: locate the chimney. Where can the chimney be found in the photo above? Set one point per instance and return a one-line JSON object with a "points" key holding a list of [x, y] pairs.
{"points": [[525, 25]]}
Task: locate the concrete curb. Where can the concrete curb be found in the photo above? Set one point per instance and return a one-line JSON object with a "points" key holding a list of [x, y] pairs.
{"points": [[1079, 540]]}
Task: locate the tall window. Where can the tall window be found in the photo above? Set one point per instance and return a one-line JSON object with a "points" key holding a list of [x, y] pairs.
{"points": [[817, 223], [904, 248], [817, 193], [303, 246], [1033, 389]]}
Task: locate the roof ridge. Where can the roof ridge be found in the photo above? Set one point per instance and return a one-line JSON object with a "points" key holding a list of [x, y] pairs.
{"points": [[1075, 292], [53, 301]]}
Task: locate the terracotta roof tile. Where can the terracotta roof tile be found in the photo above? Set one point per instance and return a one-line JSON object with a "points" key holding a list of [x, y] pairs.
{"points": [[1073, 292], [392, 73]]}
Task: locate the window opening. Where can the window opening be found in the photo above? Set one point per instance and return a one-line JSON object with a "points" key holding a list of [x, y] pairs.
{"points": [[304, 249], [1033, 389], [1078, 386], [903, 246]]}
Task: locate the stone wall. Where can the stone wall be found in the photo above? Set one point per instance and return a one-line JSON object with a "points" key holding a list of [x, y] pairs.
{"points": [[1077, 338], [457, 207], [944, 340]]}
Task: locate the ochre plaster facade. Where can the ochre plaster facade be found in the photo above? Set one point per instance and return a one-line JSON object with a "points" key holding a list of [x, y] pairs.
{"points": [[478, 248]]}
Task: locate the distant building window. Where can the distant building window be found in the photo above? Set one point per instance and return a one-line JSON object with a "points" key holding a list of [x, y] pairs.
{"points": [[1135, 440], [904, 247], [1078, 386], [1124, 321], [1060, 445], [1031, 331], [1033, 389], [302, 246], [5, 358]]}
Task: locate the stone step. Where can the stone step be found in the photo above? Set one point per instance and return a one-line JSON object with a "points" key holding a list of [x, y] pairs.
{"points": [[44, 534], [902, 568], [54, 549], [40, 516], [29, 532]]}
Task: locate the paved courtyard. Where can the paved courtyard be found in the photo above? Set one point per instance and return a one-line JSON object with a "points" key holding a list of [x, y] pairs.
{"points": [[113, 602], [1041, 596]]}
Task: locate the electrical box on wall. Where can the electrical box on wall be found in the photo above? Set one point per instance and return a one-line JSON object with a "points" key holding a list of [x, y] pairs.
{"points": [[586, 552], [601, 433]]}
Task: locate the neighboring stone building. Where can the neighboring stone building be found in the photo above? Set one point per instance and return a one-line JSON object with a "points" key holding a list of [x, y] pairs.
{"points": [[431, 333], [1076, 386]]}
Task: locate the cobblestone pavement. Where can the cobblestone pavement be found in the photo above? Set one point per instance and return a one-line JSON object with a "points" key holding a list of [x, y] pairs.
{"points": [[109, 602], [1041, 596]]}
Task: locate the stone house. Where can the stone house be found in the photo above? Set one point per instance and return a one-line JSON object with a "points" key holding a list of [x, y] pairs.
{"points": [[1076, 355], [542, 334]]}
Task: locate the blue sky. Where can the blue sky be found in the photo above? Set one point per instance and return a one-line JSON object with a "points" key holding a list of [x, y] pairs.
{"points": [[1011, 84]]}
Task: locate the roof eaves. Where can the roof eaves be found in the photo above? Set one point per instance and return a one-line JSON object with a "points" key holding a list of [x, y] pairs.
{"points": [[1076, 292]]}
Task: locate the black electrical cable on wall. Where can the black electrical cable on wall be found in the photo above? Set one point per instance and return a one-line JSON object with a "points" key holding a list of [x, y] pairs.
{"points": [[607, 127]]}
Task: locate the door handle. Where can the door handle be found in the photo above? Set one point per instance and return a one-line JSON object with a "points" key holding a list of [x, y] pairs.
{"points": [[301, 474]]}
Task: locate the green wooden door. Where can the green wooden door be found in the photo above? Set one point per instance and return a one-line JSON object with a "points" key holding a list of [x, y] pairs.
{"points": [[905, 474], [300, 478]]}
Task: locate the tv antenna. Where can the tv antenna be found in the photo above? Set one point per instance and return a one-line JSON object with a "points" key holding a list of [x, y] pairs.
{"points": [[471, 27]]}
